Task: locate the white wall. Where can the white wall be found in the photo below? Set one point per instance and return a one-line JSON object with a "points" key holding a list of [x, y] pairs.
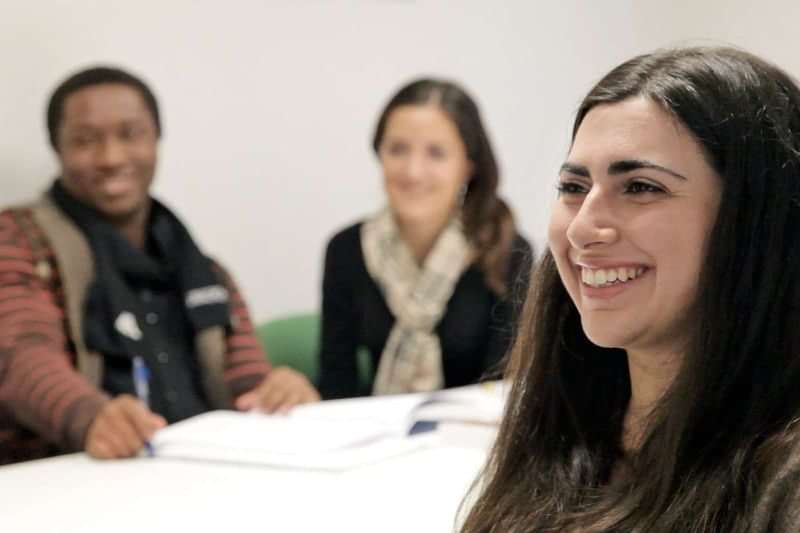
{"points": [[767, 28], [269, 105]]}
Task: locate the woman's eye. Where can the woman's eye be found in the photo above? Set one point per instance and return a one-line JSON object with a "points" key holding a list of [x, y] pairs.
{"points": [[436, 152], [397, 148], [570, 187], [641, 187]]}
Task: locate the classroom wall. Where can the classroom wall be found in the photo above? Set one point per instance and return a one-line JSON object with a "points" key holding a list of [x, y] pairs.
{"points": [[767, 28], [269, 105]]}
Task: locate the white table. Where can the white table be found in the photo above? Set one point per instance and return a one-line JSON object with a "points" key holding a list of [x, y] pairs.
{"points": [[417, 492]]}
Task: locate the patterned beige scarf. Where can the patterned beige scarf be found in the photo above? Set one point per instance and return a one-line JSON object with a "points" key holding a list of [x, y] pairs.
{"points": [[417, 297]]}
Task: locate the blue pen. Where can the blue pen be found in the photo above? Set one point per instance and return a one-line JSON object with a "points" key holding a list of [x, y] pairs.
{"points": [[141, 378]]}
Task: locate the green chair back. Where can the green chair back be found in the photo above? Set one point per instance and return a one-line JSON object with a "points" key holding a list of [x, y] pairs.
{"points": [[293, 341]]}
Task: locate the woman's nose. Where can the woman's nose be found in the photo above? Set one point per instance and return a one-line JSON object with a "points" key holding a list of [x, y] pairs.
{"points": [[595, 222]]}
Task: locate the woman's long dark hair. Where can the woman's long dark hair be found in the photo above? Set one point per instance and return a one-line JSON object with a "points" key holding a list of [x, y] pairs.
{"points": [[488, 221], [727, 419]]}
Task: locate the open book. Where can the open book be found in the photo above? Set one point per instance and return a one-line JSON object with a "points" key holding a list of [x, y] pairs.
{"points": [[473, 404], [331, 435]]}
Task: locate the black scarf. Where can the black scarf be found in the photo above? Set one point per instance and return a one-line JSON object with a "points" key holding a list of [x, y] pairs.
{"points": [[113, 313]]}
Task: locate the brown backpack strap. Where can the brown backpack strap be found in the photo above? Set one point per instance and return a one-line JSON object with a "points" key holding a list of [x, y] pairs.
{"points": [[76, 269], [40, 247]]}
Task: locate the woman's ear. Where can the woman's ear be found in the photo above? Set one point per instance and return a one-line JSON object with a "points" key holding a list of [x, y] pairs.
{"points": [[470, 172]]}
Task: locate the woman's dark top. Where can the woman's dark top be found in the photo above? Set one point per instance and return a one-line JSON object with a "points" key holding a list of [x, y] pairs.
{"points": [[475, 331]]}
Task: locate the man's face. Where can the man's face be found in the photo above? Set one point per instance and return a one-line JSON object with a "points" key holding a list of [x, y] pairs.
{"points": [[107, 147]]}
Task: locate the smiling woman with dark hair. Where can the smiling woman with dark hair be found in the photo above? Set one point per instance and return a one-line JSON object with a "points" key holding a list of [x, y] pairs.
{"points": [[655, 376]]}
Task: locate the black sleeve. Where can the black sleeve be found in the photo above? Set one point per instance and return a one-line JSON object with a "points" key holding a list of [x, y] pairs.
{"points": [[506, 312], [338, 377]]}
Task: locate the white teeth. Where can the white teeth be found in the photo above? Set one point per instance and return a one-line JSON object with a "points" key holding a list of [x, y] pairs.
{"points": [[603, 277], [600, 277]]}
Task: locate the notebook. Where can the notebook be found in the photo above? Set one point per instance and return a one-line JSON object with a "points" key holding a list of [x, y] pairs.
{"points": [[333, 435]]}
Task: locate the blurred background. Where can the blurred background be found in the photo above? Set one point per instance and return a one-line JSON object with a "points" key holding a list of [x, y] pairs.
{"points": [[269, 106]]}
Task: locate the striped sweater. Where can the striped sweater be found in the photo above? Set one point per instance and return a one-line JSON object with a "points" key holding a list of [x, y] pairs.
{"points": [[46, 405]]}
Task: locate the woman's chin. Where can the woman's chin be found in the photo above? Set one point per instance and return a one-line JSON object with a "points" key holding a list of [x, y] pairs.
{"points": [[414, 215], [605, 338]]}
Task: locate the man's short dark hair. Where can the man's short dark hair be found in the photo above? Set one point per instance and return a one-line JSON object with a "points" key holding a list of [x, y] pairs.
{"points": [[96, 76]]}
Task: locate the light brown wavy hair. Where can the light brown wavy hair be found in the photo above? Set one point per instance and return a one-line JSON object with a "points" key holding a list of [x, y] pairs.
{"points": [[488, 222]]}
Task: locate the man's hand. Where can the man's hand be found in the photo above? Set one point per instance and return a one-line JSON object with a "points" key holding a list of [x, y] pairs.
{"points": [[121, 428], [282, 389]]}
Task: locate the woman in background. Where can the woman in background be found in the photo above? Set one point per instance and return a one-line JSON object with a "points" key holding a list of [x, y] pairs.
{"points": [[655, 377], [427, 284]]}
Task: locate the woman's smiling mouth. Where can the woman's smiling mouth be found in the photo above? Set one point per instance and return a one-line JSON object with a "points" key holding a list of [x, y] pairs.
{"points": [[604, 277]]}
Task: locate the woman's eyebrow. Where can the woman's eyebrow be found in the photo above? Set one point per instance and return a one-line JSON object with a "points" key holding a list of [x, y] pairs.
{"points": [[619, 167], [628, 165], [572, 168]]}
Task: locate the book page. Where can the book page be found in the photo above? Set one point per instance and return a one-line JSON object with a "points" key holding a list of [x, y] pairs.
{"points": [[269, 433], [283, 441], [333, 434]]}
